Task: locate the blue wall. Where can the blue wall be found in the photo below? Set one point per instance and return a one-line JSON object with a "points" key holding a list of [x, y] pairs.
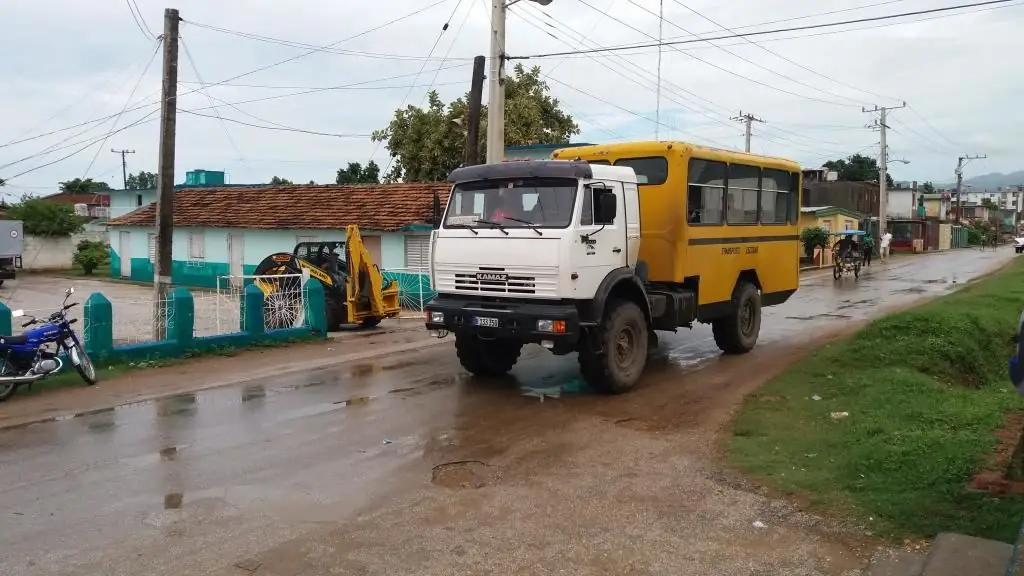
{"points": [[257, 245], [124, 201]]}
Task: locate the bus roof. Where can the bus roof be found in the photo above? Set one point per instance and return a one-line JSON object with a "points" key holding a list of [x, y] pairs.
{"points": [[653, 148]]}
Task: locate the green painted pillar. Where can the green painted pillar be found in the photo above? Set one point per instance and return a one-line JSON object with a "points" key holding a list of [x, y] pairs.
{"points": [[6, 320], [316, 309], [181, 317], [251, 310], [98, 325]]}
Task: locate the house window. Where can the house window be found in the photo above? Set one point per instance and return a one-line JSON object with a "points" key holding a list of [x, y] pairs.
{"points": [[152, 248], [138, 200], [196, 246], [417, 253], [744, 182], [705, 192]]}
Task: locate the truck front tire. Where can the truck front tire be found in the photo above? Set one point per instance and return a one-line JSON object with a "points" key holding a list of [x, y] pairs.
{"points": [[613, 359], [737, 332], [486, 357]]}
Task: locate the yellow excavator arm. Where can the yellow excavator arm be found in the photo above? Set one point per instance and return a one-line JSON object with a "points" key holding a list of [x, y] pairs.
{"points": [[367, 296]]}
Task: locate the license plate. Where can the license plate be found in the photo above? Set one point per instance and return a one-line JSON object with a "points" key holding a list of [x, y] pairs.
{"points": [[486, 322]]}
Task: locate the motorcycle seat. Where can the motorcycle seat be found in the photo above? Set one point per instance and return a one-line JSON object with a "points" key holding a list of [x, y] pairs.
{"points": [[13, 340]]}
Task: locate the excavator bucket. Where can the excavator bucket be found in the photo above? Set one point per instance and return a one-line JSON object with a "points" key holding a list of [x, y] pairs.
{"points": [[370, 296]]}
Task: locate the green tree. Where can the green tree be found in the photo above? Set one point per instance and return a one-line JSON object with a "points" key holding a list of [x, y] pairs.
{"points": [[989, 203], [90, 255], [86, 186], [427, 144], [354, 173], [857, 168], [142, 181], [278, 181], [45, 218], [927, 188], [813, 237]]}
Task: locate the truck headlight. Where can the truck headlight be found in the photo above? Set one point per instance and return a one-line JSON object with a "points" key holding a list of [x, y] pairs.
{"points": [[437, 317], [554, 326]]}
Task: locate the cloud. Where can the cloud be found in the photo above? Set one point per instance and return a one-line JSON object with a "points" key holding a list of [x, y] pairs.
{"points": [[955, 72]]}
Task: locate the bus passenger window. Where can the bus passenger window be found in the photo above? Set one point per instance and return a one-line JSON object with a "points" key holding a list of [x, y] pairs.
{"points": [[649, 171], [743, 192], [794, 203], [705, 192], [775, 196]]}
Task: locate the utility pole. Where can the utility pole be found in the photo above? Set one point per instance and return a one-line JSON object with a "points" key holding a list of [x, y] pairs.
{"points": [[124, 164], [960, 179], [496, 80], [747, 119], [883, 163], [165, 174], [476, 95]]}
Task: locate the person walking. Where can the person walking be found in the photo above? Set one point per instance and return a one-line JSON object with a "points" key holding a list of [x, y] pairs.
{"points": [[869, 247], [883, 252]]}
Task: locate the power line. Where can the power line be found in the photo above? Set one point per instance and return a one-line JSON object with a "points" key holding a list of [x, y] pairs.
{"points": [[303, 45], [139, 20], [278, 128], [929, 124], [355, 88], [763, 32], [450, 46]]}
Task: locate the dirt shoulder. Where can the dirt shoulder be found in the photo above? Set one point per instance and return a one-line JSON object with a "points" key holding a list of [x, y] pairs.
{"points": [[213, 371]]}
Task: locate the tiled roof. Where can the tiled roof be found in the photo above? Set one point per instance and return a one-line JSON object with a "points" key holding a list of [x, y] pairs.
{"points": [[90, 199], [371, 206]]}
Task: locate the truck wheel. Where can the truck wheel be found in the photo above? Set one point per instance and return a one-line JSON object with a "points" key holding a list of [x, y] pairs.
{"points": [[622, 341], [486, 357], [737, 332]]}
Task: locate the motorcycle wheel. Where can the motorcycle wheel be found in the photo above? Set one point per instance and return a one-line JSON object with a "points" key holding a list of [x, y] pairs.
{"points": [[6, 390], [85, 368]]}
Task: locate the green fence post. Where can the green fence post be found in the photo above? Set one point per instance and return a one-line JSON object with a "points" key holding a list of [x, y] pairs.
{"points": [[98, 325], [251, 310], [5, 320], [316, 309], [181, 317]]}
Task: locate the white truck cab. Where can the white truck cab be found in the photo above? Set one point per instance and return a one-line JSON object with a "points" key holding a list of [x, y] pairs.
{"points": [[529, 252]]}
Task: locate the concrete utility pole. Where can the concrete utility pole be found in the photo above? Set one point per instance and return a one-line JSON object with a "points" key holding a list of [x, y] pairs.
{"points": [[747, 119], [883, 164], [124, 164], [496, 80], [960, 179], [165, 175], [476, 95]]}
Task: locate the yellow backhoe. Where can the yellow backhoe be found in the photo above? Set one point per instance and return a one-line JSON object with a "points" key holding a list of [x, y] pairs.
{"points": [[355, 290]]}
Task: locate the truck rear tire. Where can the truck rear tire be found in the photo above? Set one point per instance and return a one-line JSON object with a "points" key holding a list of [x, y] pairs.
{"points": [[486, 357], [622, 341], [737, 332]]}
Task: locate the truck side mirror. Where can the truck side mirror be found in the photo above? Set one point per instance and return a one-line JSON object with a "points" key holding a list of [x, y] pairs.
{"points": [[607, 207]]}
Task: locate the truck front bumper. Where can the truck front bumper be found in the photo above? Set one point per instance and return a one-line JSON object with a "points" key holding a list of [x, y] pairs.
{"points": [[521, 322]]}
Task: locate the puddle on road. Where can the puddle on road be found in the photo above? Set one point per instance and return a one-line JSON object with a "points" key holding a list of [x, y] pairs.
{"points": [[173, 501], [820, 316], [541, 390], [462, 474]]}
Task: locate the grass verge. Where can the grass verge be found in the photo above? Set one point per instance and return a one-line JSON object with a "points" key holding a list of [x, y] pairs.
{"points": [[925, 390]]}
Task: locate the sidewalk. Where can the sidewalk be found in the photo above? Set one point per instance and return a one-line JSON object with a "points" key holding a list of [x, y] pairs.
{"points": [[216, 371]]}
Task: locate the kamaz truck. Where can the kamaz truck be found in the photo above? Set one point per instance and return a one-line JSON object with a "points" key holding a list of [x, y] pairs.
{"points": [[595, 253]]}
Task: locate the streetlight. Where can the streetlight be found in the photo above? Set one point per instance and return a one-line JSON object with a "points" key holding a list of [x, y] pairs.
{"points": [[496, 80]]}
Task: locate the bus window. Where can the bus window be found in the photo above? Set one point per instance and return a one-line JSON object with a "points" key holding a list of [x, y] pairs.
{"points": [[794, 203], [649, 171], [705, 193], [742, 195], [775, 196]]}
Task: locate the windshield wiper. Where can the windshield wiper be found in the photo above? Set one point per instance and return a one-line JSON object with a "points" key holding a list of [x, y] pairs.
{"points": [[494, 225], [528, 223], [466, 226]]}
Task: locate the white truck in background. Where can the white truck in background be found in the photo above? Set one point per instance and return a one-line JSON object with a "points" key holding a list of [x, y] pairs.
{"points": [[12, 241]]}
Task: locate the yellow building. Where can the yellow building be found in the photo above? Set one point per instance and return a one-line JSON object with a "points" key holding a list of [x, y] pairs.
{"points": [[831, 218]]}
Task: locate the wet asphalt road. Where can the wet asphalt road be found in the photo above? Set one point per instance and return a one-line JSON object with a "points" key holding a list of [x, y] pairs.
{"points": [[194, 483]]}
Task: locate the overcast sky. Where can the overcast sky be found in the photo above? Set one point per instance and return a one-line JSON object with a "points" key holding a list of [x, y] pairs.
{"points": [[71, 61]]}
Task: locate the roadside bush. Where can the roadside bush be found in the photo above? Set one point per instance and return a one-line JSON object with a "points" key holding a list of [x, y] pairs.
{"points": [[90, 255], [813, 237]]}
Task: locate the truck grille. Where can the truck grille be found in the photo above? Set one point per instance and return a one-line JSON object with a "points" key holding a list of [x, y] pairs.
{"points": [[497, 282]]}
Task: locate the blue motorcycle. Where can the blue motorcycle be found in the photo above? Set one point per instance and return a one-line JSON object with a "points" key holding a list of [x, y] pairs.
{"points": [[37, 353]]}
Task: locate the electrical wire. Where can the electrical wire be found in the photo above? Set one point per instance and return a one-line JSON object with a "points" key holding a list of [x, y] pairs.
{"points": [[929, 124], [209, 97], [764, 32], [852, 102], [278, 128], [455, 38], [447, 22], [303, 45], [139, 20], [780, 56], [277, 87], [920, 137]]}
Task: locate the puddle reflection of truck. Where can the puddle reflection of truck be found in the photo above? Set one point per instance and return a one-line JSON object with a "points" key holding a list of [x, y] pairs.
{"points": [[595, 254], [11, 243]]}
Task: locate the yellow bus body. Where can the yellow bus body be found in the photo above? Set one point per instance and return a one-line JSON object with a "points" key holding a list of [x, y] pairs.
{"points": [[710, 257]]}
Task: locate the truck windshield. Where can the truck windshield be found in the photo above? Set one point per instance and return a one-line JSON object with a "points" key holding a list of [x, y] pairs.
{"points": [[521, 203]]}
